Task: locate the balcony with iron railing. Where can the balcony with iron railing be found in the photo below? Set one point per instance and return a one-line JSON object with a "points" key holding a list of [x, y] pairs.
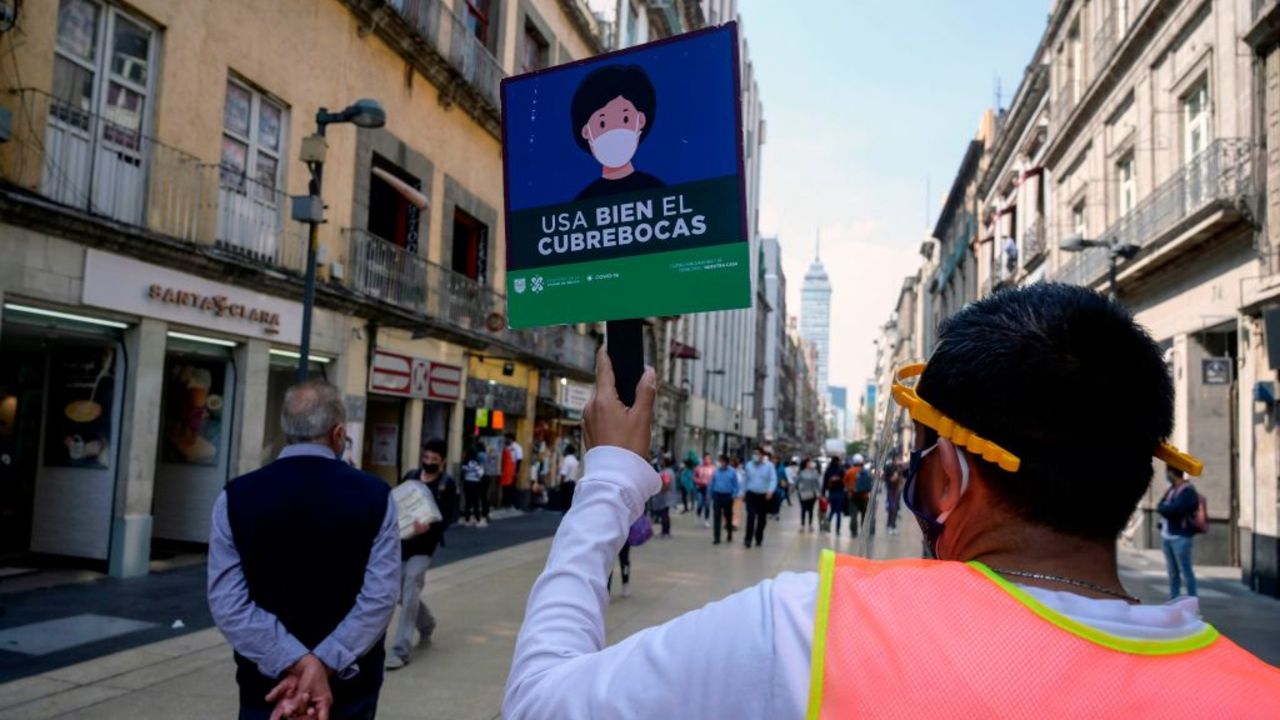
{"points": [[1105, 42], [386, 272], [447, 34], [1219, 178], [107, 168]]}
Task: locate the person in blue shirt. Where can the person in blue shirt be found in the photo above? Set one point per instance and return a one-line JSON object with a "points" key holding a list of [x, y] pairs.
{"points": [[762, 482], [724, 488]]}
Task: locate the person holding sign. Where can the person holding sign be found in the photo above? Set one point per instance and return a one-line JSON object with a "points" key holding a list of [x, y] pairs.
{"points": [[612, 112], [1024, 615]]}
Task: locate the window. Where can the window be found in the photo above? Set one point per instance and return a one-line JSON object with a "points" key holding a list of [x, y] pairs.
{"points": [[252, 140], [470, 246], [1075, 61], [1079, 225], [108, 78], [1126, 174], [1195, 113], [477, 19], [535, 50], [98, 112], [633, 25], [391, 216]]}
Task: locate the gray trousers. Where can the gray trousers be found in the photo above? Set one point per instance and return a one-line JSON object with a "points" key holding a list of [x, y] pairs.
{"points": [[413, 611]]}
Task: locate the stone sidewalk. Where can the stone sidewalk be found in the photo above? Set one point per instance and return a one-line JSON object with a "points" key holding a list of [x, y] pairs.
{"points": [[479, 603]]}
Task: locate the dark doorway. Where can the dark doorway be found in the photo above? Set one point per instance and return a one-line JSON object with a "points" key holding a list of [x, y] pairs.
{"points": [[470, 246]]}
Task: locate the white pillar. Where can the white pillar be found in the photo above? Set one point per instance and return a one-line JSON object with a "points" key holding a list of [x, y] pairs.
{"points": [[139, 433]]}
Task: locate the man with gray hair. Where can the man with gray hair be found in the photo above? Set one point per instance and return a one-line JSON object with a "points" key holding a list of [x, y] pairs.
{"points": [[304, 570]]}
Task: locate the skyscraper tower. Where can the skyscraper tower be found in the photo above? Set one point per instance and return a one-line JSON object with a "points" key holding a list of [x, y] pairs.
{"points": [[815, 314]]}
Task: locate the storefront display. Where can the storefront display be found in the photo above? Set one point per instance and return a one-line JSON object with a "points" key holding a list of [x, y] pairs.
{"points": [[78, 431], [193, 411]]}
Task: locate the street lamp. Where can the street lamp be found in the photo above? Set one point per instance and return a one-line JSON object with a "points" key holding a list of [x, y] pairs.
{"points": [[1116, 251], [706, 403], [364, 113]]}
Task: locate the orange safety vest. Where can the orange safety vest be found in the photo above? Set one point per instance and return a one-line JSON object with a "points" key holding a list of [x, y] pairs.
{"points": [[929, 638]]}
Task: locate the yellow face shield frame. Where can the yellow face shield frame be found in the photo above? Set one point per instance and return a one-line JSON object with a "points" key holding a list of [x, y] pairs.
{"points": [[925, 414]]}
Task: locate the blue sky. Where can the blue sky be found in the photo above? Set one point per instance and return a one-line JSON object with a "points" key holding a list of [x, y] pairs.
{"points": [[864, 100]]}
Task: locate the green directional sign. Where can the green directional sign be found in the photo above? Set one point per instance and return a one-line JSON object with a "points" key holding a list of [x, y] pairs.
{"points": [[624, 190]]}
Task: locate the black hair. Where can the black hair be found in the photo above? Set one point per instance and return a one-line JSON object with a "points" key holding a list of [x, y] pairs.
{"points": [[1065, 379], [569, 450], [601, 86], [724, 458], [437, 446]]}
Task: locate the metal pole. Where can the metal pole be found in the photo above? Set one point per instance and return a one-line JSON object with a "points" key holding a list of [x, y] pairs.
{"points": [[309, 291], [1111, 275]]}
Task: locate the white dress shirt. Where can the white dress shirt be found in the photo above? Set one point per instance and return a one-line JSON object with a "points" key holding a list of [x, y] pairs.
{"points": [[744, 657]]}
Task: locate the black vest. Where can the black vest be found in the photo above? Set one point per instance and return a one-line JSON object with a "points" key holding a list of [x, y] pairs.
{"points": [[304, 528]]}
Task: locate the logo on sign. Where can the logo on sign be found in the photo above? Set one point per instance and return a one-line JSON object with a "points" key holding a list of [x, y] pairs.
{"points": [[537, 283], [519, 285]]}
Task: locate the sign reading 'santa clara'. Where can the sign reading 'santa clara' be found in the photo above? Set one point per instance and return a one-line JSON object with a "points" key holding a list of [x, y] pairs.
{"points": [[624, 190]]}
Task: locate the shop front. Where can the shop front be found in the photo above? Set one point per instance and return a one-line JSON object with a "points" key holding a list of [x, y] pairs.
{"points": [[123, 417], [494, 409], [406, 392]]}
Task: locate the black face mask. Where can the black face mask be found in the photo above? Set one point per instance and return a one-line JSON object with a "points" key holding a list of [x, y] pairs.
{"points": [[431, 468]]}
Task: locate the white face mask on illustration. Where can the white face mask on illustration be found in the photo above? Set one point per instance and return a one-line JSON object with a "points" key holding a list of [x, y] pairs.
{"points": [[615, 148]]}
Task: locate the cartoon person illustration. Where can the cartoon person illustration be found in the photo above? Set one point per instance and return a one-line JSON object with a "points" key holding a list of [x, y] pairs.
{"points": [[613, 111]]}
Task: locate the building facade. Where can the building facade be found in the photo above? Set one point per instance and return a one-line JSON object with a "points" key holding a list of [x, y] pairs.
{"points": [[153, 305], [815, 318]]}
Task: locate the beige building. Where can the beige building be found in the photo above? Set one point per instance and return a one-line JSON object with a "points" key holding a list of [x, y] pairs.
{"points": [[152, 288]]}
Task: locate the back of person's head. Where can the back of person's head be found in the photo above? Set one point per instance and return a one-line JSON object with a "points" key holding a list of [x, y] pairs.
{"points": [[724, 459], [311, 409], [1063, 378], [569, 450]]}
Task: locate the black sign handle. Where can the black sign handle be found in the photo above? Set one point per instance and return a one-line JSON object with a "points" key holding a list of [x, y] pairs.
{"points": [[626, 352]]}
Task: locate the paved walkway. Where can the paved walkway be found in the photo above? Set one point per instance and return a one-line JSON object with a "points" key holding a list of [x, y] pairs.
{"points": [[479, 603]]}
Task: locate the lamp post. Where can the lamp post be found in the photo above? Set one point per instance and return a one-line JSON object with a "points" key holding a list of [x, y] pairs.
{"points": [[1116, 251], [706, 403], [309, 208]]}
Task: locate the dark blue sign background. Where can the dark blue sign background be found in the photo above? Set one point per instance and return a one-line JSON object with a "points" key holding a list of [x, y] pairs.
{"points": [[693, 136]]}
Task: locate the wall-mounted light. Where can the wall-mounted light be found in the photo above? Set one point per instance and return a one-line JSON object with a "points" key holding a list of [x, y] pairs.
{"points": [[294, 356], [201, 339], [43, 312]]}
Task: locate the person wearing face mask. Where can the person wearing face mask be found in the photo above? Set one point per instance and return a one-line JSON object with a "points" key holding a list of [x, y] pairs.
{"points": [[760, 485], [1023, 616], [416, 554], [613, 111]]}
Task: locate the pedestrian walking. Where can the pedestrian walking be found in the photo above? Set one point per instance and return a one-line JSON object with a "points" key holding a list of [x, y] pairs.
{"points": [[893, 494], [1178, 527], [808, 488], [660, 504], [507, 476], [304, 570], [740, 500], [724, 489], [702, 479], [793, 473], [837, 496], [1024, 615], [475, 491], [569, 471], [687, 487], [416, 554], [760, 486], [517, 452], [783, 487], [857, 484]]}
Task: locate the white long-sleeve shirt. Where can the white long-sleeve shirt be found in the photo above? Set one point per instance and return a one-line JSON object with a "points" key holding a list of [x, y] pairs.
{"points": [[744, 657]]}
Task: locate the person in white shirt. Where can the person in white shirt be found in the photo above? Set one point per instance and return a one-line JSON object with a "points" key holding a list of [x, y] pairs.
{"points": [[569, 471], [749, 655], [517, 452]]}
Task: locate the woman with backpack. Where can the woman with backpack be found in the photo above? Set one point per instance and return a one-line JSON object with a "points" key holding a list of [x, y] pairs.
{"points": [[1181, 517]]}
